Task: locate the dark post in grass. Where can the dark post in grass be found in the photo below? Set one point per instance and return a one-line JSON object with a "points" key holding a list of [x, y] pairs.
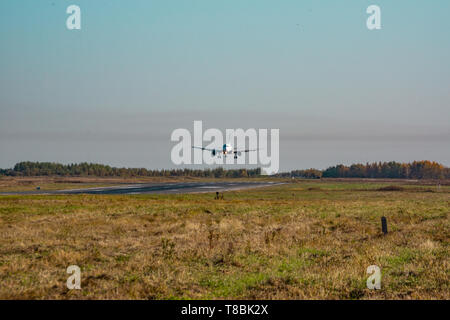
{"points": [[384, 225]]}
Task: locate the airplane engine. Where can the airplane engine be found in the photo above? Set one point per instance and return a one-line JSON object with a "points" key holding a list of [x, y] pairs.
{"points": [[239, 153], [213, 153]]}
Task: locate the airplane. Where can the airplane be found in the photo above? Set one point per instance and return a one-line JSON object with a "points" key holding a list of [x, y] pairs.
{"points": [[226, 149]]}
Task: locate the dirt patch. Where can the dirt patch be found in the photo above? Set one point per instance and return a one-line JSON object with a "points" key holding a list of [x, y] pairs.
{"points": [[391, 188]]}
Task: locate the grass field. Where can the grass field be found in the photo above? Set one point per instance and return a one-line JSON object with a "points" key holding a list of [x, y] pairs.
{"points": [[303, 240]]}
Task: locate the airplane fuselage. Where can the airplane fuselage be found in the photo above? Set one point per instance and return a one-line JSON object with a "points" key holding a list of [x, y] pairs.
{"points": [[227, 149]]}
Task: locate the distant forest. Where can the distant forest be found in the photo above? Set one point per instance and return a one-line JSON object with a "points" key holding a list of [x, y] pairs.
{"points": [[99, 170], [414, 170]]}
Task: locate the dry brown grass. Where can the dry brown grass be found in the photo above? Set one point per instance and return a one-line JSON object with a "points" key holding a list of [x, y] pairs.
{"points": [[284, 242]]}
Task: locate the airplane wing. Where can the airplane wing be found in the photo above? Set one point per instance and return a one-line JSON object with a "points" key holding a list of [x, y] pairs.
{"points": [[246, 150], [216, 150]]}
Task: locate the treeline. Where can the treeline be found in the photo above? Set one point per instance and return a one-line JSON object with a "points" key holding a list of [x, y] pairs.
{"points": [[307, 174], [100, 170], [414, 170]]}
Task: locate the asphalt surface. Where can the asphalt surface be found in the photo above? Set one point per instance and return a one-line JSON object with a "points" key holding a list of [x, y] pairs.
{"points": [[155, 188]]}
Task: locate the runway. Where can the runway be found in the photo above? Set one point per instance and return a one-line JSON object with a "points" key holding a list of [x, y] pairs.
{"points": [[155, 188]]}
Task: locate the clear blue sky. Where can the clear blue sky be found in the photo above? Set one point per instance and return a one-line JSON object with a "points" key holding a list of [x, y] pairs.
{"points": [[113, 91]]}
